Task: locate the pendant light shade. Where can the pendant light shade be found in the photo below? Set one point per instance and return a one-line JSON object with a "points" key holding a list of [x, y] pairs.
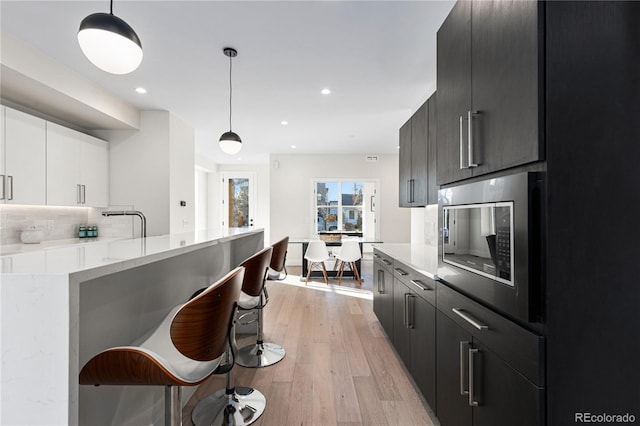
{"points": [[230, 142], [110, 43]]}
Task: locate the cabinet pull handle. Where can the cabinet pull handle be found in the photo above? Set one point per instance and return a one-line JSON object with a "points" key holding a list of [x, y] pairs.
{"points": [[78, 194], [381, 288], [376, 255], [10, 179], [84, 193], [470, 115], [463, 391], [2, 187], [472, 401], [413, 190], [386, 262], [462, 166], [421, 285], [410, 310], [408, 190], [469, 319], [401, 272]]}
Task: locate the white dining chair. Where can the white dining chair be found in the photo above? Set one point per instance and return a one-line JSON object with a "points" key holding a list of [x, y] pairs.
{"points": [[348, 256], [316, 255]]}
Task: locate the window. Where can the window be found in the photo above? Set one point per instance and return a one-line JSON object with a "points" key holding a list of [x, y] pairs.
{"points": [[339, 205]]}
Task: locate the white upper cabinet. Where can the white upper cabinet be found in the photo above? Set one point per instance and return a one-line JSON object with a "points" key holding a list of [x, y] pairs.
{"points": [[77, 168], [23, 158]]}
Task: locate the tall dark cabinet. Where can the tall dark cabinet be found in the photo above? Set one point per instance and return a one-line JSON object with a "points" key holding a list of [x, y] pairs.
{"points": [[556, 88], [488, 88], [417, 158]]}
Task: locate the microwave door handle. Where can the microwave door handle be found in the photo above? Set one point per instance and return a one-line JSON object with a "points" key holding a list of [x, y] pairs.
{"points": [[493, 220]]}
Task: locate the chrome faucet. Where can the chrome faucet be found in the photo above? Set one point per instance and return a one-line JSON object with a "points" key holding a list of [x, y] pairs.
{"points": [[143, 220]]}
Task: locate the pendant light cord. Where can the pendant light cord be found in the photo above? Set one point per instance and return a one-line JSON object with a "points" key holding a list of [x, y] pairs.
{"points": [[111, 8], [230, 93]]}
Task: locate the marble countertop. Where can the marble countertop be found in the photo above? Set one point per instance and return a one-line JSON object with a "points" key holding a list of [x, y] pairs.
{"points": [[421, 257], [95, 258]]}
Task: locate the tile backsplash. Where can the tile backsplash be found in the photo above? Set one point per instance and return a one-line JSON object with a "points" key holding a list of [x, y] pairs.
{"points": [[59, 223]]}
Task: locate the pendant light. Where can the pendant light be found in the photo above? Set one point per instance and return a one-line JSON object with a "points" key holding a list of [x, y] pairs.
{"points": [[110, 43], [230, 142]]}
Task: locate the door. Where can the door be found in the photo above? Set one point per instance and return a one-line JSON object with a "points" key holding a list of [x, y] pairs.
{"points": [[503, 395], [419, 129], [238, 200], [454, 93], [63, 167], [452, 380], [423, 348], [505, 58], [383, 296], [25, 158], [404, 162]]}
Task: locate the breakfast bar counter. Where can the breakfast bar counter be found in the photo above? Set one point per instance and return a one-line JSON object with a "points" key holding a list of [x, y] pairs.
{"points": [[60, 306]]}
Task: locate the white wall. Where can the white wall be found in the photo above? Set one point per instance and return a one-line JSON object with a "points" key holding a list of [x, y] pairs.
{"points": [[152, 170], [291, 199], [181, 182], [202, 191]]}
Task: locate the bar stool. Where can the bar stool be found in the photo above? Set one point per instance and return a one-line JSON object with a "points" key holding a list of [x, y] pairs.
{"points": [[316, 254], [278, 260], [186, 348], [349, 255], [254, 298]]}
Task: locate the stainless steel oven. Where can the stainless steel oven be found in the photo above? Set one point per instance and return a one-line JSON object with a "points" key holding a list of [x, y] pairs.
{"points": [[491, 244]]}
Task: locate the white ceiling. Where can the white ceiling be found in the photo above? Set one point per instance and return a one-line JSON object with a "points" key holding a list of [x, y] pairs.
{"points": [[377, 57]]}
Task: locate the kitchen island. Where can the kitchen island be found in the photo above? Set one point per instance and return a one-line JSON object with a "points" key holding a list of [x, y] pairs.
{"points": [[61, 306]]}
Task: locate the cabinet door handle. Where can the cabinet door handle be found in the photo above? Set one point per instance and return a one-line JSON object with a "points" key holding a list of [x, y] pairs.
{"points": [[408, 190], [401, 272], [462, 166], [10, 179], [78, 194], [413, 190], [84, 193], [386, 262], [469, 319], [470, 115], [381, 286], [421, 285], [2, 187], [463, 351], [410, 310], [472, 401]]}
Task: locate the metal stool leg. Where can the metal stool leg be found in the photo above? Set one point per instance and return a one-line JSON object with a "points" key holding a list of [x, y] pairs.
{"points": [[260, 354], [230, 406]]}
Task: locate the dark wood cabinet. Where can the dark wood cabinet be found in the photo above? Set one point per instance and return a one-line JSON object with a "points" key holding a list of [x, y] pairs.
{"points": [[489, 87], [432, 148], [415, 327], [404, 159], [486, 366], [383, 292], [417, 158]]}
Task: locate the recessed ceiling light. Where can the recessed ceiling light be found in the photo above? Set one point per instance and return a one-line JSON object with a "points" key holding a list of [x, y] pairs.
{"points": [[284, 122], [325, 91], [398, 147], [293, 147], [141, 90]]}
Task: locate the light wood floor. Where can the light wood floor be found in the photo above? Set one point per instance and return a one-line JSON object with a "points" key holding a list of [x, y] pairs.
{"points": [[339, 369]]}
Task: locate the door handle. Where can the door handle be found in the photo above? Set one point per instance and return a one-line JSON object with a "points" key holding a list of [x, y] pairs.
{"points": [[410, 310], [84, 194], [462, 166], [463, 391], [10, 196], [472, 401], [408, 190], [2, 187], [469, 319], [381, 286], [401, 272], [470, 115], [78, 194], [421, 285]]}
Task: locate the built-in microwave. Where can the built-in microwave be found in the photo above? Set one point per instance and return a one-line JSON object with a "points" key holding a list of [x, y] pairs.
{"points": [[492, 235]]}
